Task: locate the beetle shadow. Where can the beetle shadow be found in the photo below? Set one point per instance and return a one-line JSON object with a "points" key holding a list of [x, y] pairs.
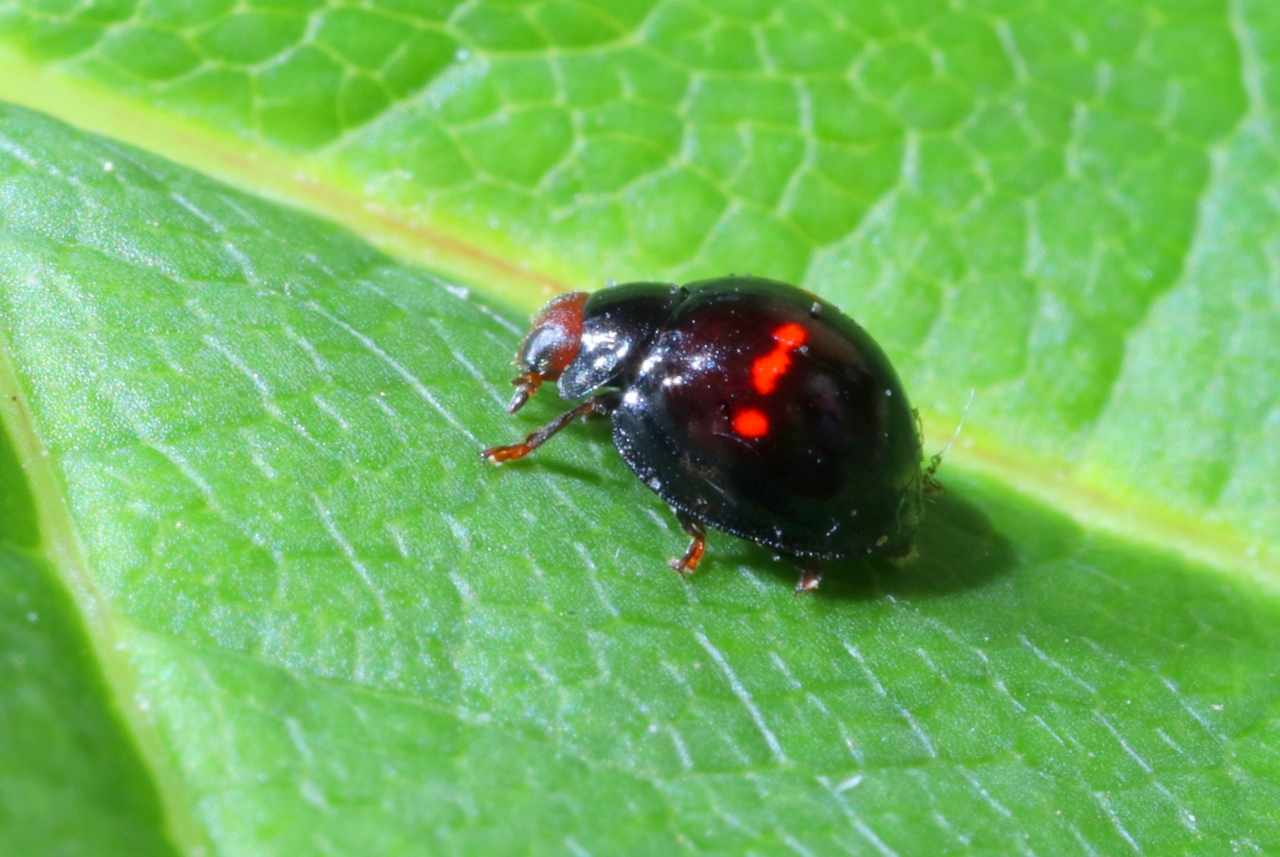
{"points": [[560, 469], [957, 550]]}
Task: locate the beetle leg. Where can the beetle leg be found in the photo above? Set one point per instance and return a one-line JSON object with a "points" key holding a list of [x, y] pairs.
{"points": [[688, 563], [932, 487], [810, 577], [597, 406]]}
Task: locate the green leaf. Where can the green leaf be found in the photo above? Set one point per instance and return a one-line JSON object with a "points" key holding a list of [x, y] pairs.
{"points": [[282, 608], [70, 781]]}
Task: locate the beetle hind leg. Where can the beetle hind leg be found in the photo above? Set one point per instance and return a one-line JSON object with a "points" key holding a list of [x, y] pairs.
{"points": [[810, 577], [688, 563]]}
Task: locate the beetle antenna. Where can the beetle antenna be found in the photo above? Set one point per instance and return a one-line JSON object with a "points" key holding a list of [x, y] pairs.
{"points": [[935, 461]]}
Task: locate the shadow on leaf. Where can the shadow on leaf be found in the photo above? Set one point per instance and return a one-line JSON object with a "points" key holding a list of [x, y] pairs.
{"points": [[957, 550]]}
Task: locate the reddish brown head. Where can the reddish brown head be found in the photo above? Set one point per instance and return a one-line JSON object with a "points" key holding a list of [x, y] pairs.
{"points": [[549, 346]]}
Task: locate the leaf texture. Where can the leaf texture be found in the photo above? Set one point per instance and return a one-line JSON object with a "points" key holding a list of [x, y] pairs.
{"points": [[244, 439]]}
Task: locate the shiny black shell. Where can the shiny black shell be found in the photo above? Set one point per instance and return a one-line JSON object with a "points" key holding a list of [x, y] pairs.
{"points": [[758, 409]]}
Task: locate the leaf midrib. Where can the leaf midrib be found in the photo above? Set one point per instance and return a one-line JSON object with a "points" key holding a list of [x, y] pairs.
{"points": [[1095, 505], [59, 547]]}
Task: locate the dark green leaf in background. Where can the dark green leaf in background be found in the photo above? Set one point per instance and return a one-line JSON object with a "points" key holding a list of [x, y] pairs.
{"points": [[245, 440]]}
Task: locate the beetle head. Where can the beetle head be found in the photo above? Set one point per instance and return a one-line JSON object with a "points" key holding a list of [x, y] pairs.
{"points": [[551, 343]]}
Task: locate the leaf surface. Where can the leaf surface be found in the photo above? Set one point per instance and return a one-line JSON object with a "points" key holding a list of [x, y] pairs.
{"points": [[248, 439]]}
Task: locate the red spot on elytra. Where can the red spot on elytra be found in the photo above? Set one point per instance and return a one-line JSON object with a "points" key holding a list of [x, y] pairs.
{"points": [[749, 422], [766, 370]]}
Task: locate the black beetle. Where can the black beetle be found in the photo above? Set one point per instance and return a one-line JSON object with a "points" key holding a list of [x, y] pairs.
{"points": [[749, 405]]}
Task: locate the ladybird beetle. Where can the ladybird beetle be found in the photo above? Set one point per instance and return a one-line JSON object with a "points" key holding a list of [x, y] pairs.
{"points": [[750, 406]]}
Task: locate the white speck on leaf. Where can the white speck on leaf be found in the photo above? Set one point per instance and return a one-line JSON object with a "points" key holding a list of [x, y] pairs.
{"points": [[849, 783]]}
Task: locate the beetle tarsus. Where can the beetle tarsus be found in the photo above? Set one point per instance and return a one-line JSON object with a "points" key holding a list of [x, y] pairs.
{"points": [[688, 564], [932, 487], [810, 577]]}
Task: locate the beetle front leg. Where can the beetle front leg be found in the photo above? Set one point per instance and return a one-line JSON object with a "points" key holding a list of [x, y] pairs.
{"points": [[597, 406]]}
